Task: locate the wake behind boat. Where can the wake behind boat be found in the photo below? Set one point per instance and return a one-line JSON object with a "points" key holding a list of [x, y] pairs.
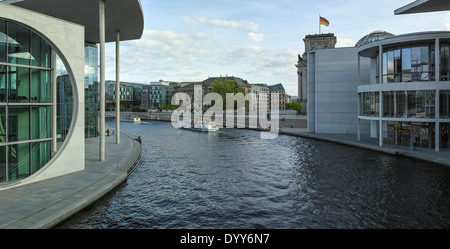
{"points": [[132, 120], [200, 126]]}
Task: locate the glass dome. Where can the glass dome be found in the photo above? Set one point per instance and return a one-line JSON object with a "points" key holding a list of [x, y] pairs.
{"points": [[372, 37]]}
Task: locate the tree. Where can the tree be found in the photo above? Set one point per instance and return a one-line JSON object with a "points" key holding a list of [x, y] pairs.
{"points": [[224, 86], [295, 106]]}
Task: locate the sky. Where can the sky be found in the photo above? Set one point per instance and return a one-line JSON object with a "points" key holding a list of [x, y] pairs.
{"points": [[257, 40]]}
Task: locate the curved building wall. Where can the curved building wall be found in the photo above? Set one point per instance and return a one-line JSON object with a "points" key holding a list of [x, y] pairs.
{"points": [[67, 40], [407, 102]]}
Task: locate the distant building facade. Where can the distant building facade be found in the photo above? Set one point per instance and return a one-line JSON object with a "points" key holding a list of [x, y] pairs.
{"points": [[261, 96], [312, 42], [279, 102]]}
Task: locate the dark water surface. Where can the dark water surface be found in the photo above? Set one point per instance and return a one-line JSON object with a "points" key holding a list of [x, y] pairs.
{"points": [[235, 180]]}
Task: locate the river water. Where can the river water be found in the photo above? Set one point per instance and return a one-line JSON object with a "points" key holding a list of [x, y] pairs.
{"points": [[235, 180]]}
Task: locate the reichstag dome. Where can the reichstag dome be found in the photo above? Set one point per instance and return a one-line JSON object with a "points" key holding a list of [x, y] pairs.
{"points": [[372, 37]]}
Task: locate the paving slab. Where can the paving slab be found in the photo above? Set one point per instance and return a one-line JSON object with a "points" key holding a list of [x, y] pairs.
{"points": [[429, 155], [46, 203]]}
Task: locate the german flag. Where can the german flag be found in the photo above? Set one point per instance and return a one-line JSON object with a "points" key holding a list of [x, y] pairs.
{"points": [[324, 21]]}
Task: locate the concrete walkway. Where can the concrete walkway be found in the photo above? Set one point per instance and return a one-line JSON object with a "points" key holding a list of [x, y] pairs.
{"points": [[429, 155], [46, 203]]}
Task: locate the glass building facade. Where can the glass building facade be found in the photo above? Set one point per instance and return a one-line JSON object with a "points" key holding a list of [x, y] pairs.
{"points": [[25, 101], [411, 101], [91, 90], [26, 70]]}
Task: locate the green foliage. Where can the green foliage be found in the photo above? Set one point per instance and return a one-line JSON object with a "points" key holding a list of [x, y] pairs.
{"points": [[294, 106], [168, 107], [224, 86], [139, 110]]}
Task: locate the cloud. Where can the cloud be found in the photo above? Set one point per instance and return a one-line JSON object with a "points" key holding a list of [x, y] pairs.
{"points": [[160, 51], [169, 55], [446, 21], [255, 37], [250, 27], [345, 42]]}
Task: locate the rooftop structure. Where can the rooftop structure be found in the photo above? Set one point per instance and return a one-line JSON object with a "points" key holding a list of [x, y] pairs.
{"points": [[372, 37], [421, 6]]}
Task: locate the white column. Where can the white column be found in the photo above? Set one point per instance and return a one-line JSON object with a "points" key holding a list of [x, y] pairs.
{"points": [[117, 88], [54, 106], [358, 124], [359, 69], [102, 77], [358, 121]]}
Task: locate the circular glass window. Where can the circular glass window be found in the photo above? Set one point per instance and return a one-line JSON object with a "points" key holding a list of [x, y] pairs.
{"points": [[26, 76]]}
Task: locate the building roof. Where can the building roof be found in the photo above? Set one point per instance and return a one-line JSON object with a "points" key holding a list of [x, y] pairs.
{"points": [[372, 37], [241, 81], [125, 16], [421, 6], [278, 86], [410, 39], [319, 35]]}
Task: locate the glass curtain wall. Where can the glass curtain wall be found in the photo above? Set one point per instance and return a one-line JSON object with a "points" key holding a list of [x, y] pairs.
{"points": [[370, 104], [444, 130], [91, 89], [419, 135], [64, 100], [409, 64], [445, 62], [25, 101], [444, 104]]}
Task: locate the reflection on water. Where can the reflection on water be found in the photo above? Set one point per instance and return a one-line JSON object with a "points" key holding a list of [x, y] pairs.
{"points": [[233, 179]]}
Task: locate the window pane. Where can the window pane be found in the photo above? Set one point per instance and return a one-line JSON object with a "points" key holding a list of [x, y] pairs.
{"points": [[19, 161], [3, 83], [19, 84], [40, 51], [2, 41], [445, 65], [444, 104], [40, 155], [18, 44], [397, 65], [390, 66], [2, 124], [64, 106], [401, 104], [18, 123], [40, 86], [40, 122], [2, 163]]}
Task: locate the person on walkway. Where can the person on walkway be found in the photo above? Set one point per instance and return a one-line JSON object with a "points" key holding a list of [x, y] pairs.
{"points": [[107, 132]]}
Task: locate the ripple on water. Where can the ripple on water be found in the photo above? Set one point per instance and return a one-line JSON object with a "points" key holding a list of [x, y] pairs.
{"points": [[233, 179]]}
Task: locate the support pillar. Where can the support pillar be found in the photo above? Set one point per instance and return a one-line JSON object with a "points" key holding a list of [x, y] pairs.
{"points": [[102, 77], [118, 88], [380, 81], [54, 105], [358, 124]]}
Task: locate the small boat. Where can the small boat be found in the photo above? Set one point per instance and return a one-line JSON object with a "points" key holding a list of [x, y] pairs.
{"points": [[204, 126], [132, 120]]}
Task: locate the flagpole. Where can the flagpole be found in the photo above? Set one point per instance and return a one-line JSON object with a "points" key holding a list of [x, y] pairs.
{"points": [[319, 25]]}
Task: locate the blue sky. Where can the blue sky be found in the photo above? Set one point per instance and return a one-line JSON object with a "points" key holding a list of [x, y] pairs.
{"points": [[257, 40]]}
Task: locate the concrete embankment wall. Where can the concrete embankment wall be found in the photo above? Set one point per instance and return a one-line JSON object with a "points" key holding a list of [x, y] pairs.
{"points": [[289, 121]]}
